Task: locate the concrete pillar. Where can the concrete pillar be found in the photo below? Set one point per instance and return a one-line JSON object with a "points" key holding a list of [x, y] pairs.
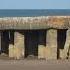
{"points": [[51, 44], [41, 46], [64, 53], [18, 45]]}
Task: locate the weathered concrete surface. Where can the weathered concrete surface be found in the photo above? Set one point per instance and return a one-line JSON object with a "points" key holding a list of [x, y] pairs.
{"points": [[11, 50], [18, 45], [51, 44], [41, 22], [41, 52], [66, 51]]}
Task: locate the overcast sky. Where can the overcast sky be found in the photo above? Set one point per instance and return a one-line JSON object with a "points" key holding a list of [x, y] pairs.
{"points": [[34, 4]]}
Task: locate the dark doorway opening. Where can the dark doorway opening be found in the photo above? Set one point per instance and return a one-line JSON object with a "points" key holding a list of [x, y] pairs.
{"points": [[5, 42], [61, 39], [31, 43], [7, 37], [11, 37]]}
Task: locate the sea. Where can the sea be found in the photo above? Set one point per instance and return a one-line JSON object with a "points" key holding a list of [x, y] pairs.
{"points": [[33, 12]]}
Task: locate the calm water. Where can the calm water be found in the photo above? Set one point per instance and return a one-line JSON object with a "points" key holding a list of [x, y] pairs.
{"points": [[35, 12]]}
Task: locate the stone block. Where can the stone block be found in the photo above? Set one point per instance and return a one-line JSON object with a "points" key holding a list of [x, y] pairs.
{"points": [[41, 51], [51, 53], [11, 50], [19, 45], [51, 44]]}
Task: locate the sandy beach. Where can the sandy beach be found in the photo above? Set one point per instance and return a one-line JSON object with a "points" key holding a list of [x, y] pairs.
{"points": [[34, 65]]}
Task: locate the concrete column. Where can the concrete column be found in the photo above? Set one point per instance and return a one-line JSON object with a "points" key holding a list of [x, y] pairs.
{"points": [[41, 46], [51, 44], [18, 45], [64, 53]]}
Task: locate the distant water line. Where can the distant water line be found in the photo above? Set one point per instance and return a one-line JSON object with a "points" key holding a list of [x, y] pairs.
{"points": [[33, 12]]}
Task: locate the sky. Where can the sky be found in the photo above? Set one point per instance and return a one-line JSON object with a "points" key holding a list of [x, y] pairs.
{"points": [[34, 4]]}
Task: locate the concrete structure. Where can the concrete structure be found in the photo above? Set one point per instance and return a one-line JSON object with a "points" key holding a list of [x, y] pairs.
{"points": [[44, 37], [51, 44]]}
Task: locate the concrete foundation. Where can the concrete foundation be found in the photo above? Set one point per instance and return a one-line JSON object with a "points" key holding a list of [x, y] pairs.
{"points": [[51, 44], [44, 45]]}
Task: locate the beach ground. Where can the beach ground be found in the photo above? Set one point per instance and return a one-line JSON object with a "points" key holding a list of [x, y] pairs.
{"points": [[34, 64]]}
